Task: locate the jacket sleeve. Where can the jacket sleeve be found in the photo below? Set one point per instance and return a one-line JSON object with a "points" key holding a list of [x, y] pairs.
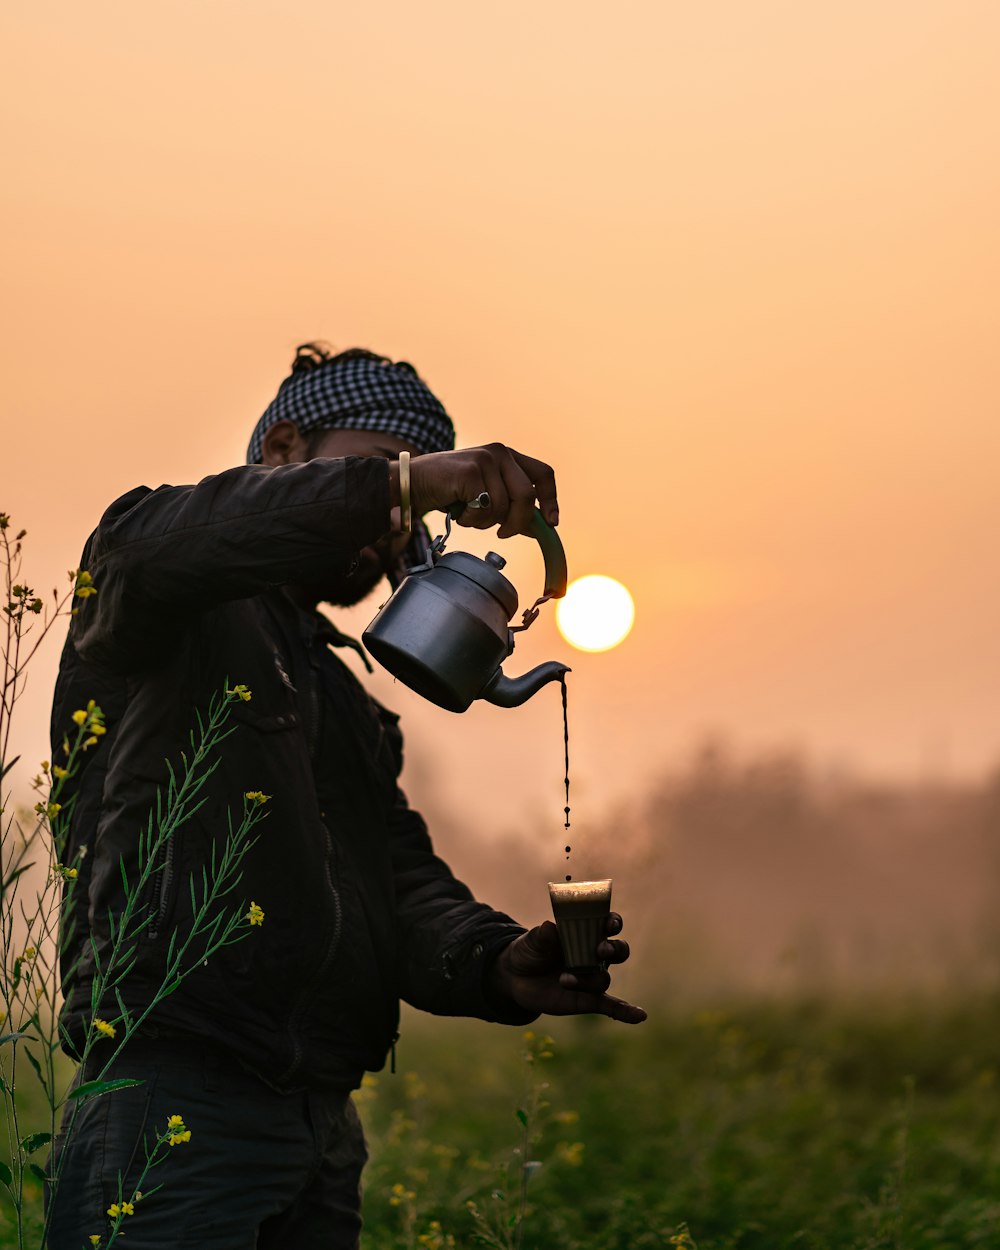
{"points": [[447, 941], [160, 556]]}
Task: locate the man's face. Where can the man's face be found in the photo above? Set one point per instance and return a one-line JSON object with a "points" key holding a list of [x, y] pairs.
{"points": [[376, 561]]}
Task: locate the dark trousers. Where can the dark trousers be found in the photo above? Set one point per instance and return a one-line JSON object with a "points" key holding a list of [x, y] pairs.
{"points": [[262, 1171]]}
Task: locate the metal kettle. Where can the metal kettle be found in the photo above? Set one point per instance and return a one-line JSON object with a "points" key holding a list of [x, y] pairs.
{"points": [[446, 629]]}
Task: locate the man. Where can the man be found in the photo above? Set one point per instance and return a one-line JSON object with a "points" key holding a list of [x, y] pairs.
{"points": [[200, 588]]}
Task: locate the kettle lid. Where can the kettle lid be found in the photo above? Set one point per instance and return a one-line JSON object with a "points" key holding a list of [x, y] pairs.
{"points": [[485, 573]]}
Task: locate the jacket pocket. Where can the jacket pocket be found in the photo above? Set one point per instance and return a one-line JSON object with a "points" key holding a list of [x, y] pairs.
{"points": [[273, 703]]}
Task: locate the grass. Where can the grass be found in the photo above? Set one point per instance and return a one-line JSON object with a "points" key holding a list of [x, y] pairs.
{"points": [[758, 1127], [803, 1126]]}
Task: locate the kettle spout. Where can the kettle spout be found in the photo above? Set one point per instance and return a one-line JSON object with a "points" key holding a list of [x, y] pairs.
{"points": [[513, 691]]}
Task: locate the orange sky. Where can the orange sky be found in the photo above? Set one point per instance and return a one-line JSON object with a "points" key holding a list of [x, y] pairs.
{"points": [[731, 267]]}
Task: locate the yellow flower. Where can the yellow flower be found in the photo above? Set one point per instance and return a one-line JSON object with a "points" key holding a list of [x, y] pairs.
{"points": [[96, 728], [45, 766], [571, 1152], [241, 692], [49, 810], [79, 716], [102, 1026], [59, 773], [114, 1210], [67, 874], [258, 797], [29, 952], [95, 1239], [91, 742], [177, 1131], [128, 1208], [256, 914], [84, 584]]}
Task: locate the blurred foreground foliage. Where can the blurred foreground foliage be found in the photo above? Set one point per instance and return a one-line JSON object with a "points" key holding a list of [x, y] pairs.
{"points": [[761, 1126]]}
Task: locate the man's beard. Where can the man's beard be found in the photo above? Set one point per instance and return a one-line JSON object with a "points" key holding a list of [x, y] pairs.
{"points": [[344, 590]]}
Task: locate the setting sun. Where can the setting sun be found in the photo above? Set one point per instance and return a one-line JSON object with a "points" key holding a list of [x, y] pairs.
{"points": [[596, 614]]}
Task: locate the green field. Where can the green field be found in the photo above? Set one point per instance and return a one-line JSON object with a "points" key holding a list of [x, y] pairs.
{"points": [[758, 1127], [761, 1127]]}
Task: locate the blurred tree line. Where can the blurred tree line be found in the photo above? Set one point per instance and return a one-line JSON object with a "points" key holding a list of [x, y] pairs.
{"points": [[765, 875]]}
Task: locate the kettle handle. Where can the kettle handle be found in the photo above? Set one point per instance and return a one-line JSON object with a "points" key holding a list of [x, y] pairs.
{"points": [[556, 574]]}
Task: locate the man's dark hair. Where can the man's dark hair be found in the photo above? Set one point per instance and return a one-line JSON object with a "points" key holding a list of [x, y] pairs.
{"points": [[318, 354]]}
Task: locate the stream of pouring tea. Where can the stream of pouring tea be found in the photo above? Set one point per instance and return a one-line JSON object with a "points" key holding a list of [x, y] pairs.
{"points": [[569, 876]]}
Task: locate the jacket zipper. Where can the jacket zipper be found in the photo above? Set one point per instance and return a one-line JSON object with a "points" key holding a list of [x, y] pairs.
{"points": [[161, 893], [312, 719], [331, 948]]}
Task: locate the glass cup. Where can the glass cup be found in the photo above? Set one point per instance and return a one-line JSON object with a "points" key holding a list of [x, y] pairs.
{"points": [[581, 910]]}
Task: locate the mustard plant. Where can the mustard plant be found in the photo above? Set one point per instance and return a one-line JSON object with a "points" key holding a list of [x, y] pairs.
{"points": [[38, 916], [501, 1222]]}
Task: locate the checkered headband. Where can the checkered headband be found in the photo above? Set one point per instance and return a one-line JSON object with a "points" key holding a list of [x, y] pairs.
{"points": [[358, 393]]}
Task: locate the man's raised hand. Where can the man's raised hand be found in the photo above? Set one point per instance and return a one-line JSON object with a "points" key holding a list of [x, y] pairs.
{"points": [[513, 481]]}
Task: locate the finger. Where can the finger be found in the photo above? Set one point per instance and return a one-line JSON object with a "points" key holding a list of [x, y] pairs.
{"points": [[592, 981], [613, 952], [520, 492], [619, 1009], [544, 480], [495, 486], [536, 951], [606, 1005]]}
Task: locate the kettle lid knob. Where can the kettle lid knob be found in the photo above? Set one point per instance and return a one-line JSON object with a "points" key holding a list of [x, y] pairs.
{"points": [[496, 560]]}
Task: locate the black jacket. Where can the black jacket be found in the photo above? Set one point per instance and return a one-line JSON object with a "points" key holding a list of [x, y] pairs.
{"points": [[359, 911]]}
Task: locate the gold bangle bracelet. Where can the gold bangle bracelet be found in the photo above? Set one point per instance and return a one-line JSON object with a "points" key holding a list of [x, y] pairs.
{"points": [[405, 512]]}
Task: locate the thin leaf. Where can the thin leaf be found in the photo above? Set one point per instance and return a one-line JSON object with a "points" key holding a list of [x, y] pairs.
{"points": [[38, 1071], [8, 767], [13, 1037], [6, 1175], [93, 1089], [522, 1116], [35, 1170], [34, 1141]]}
